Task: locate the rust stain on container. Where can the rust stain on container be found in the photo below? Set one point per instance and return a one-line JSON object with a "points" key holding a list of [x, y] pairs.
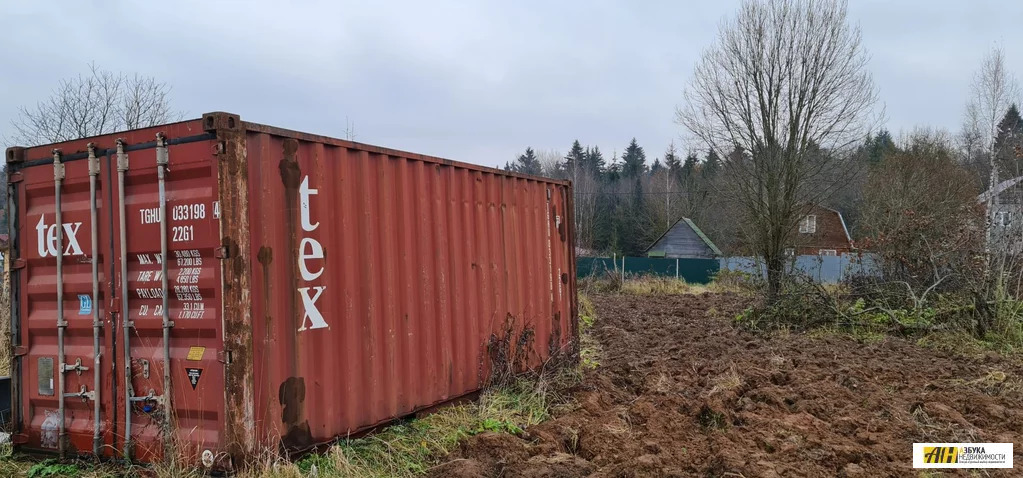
{"points": [[317, 288]]}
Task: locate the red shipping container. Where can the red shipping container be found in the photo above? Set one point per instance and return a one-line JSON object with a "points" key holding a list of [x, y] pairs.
{"points": [[213, 288]]}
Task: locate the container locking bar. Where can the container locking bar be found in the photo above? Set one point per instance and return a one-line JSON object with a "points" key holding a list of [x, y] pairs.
{"points": [[122, 167], [97, 324], [58, 179], [162, 160], [76, 367], [83, 394]]}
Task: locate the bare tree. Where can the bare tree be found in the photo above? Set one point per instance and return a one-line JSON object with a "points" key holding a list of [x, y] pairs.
{"points": [[786, 80], [994, 90], [550, 163], [587, 189], [94, 103], [350, 129]]}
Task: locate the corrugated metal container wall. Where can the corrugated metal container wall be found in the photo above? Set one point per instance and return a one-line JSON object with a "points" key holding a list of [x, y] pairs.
{"points": [[314, 288]]}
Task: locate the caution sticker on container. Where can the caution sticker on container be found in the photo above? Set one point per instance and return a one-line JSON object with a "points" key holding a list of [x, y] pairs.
{"points": [[195, 353], [193, 376]]}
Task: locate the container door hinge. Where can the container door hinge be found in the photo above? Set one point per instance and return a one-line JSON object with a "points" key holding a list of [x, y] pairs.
{"points": [[221, 252], [15, 177], [20, 350], [18, 263], [224, 356]]}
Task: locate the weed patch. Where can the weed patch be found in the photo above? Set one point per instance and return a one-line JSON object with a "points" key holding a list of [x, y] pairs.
{"points": [[49, 468], [656, 286], [589, 350], [414, 447]]}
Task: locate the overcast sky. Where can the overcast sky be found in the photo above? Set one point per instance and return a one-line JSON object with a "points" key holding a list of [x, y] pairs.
{"points": [[473, 81]]}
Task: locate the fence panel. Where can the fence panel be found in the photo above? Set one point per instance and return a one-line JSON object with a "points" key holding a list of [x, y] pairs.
{"points": [[693, 271], [823, 269]]}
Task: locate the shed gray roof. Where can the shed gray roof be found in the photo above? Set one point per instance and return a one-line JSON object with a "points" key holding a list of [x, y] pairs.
{"points": [[684, 239]]}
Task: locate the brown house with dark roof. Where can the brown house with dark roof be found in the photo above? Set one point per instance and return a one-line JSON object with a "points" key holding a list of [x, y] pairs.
{"points": [[821, 232]]}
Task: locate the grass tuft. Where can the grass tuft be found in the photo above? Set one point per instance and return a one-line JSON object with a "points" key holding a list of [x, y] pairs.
{"points": [[414, 447], [589, 346], [647, 285]]}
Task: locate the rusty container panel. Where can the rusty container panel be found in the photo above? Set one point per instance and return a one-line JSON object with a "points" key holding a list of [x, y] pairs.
{"points": [[314, 288], [133, 383], [34, 279], [387, 282]]}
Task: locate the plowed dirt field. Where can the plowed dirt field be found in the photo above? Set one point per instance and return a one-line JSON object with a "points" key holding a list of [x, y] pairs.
{"points": [[681, 391]]}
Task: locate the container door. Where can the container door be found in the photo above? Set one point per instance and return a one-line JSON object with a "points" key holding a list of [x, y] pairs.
{"points": [[61, 284], [172, 345], [565, 332]]}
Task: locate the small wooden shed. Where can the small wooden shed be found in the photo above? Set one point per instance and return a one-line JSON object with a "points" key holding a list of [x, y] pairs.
{"points": [[683, 240]]}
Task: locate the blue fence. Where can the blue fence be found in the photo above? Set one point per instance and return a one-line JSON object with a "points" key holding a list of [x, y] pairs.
{"points": [[693, 271], [823, 269]]}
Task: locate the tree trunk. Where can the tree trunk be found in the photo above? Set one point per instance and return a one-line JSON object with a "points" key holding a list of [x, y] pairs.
{"points": [[775, 272]]}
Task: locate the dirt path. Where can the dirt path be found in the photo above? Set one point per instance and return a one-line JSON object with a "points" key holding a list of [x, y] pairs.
{"points": [[681, 392]]}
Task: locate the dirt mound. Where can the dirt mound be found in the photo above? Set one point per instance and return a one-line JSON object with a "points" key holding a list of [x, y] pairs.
{"points": [[681, 392]]}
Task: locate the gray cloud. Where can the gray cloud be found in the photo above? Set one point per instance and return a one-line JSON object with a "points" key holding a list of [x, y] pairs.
{"points": [[473, 81]]}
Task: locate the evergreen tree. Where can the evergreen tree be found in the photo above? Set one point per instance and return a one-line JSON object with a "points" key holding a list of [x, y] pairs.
{"points": [[671, 160], [1011, 123], [1010, 129], [634, 226], [633, 160], [879, 146], [711, 164], [688, 170], [576, 158], [527, 163], [613, 170], [656, 166], [594, 161], [603, 224], [1009, 137]]}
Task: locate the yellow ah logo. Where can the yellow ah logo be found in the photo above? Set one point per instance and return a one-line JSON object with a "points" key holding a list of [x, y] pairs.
{"points": [[941, 454]]}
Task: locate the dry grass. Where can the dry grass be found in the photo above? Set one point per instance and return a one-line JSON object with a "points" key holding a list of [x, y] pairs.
{"points": [[403, 450], [413, 448], [661, 286], [649, 285], [728, 381], [657, 285], [589, 346]]}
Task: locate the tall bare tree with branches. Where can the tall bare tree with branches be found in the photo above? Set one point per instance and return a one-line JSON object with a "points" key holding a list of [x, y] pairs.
{"points": [[94, 103], [786, 80], [993, 91]]}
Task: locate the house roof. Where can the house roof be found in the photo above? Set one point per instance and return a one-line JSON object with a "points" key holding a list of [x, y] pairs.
{"points": [[999, 189], [695, 228], [842, 220]]}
